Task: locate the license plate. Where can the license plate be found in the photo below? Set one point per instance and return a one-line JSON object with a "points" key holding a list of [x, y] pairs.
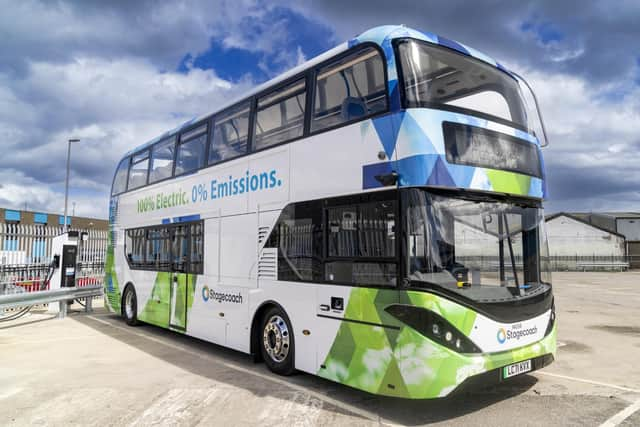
{"points": [[516, 369]]}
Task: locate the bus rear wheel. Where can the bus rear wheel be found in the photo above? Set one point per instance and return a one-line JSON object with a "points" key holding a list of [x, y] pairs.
{"points": [[130, 306], [277, 345]]}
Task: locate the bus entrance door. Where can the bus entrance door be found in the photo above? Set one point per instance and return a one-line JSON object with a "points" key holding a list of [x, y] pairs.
{"points": [[179, 290]]}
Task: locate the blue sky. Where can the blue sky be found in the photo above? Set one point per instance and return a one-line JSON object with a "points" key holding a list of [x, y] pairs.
{"points": [[119, 73], [234, 63]]}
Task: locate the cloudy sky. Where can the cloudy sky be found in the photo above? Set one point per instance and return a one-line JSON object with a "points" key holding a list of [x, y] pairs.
{"points": [[118, 73]]}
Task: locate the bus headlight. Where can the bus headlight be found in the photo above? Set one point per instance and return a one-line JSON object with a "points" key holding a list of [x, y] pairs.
{"points": [[434, 327]]}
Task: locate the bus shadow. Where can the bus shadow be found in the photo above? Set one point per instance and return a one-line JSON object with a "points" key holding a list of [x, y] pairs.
{"points": [[217, 363]]}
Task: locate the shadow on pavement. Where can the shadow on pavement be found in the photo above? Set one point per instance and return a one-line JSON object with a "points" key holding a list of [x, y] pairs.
{"points": [[27, 319], [214, 362]]}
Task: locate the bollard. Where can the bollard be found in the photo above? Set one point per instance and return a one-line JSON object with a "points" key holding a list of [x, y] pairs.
{"points": [[63, 309], [88, 305]]}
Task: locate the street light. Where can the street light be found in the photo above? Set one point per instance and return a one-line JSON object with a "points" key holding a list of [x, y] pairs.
{"points": [[66, 183]]}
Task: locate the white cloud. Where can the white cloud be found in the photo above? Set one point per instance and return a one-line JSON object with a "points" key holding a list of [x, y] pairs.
{"points": [[102, 72], [594, 152], [111, 105]]}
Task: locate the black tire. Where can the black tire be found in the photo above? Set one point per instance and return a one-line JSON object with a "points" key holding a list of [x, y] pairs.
{"points": [[275, 338], [130, 306]]}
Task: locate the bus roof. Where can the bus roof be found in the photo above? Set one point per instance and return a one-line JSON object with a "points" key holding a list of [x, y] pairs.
{"points": [[382, 36]]}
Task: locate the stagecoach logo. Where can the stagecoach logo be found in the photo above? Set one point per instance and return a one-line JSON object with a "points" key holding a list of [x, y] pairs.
{"points": [[210, 294], [502, 336], [515, 333]]}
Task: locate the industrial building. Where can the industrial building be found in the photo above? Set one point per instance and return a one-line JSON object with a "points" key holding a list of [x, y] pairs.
{"points": [[13, 216], [25, 236], [594, 239]]}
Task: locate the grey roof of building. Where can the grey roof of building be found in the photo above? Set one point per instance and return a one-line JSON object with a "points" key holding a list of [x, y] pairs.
{"points": [[579, 219]]}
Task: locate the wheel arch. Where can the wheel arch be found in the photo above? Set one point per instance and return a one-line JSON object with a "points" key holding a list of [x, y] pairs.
{"points": [[254, 346], [124, 292]]}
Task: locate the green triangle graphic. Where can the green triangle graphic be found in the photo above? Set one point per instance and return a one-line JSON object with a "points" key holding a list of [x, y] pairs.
{"points": [[394, 378]]}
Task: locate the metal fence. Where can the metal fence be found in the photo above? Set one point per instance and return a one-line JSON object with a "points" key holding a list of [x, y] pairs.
{"points": [[25, 254], [557, 263], [593, 263]]}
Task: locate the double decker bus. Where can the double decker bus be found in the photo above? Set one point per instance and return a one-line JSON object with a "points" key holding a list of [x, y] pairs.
{"points": [[373, 216]]}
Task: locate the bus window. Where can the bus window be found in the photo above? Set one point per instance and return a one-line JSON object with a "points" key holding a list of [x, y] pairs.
{"points": [[196, 238], [439, 77], [191, 150], [166, 247], [364, 230], [120, 180], [298, 237], [180, 249], [135, 247], [280, 115], [158, 249], [360, 240], [230, 134], [139, 170], [349, 89], [161, 160], [365, 234]]}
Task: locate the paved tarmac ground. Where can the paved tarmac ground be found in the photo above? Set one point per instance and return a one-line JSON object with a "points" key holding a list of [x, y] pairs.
{"points": [[95, 370]]}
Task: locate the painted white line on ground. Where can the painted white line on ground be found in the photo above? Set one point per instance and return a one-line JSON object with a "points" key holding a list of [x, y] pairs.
{"points": [[45, 340], [583, 380], [560, 344], [618, 418], [349, 408], [10, 392]]}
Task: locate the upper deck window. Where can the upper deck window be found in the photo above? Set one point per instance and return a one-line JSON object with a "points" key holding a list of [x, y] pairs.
{"points": [[138, 171], [120, 180], [438, 77], [191, 150], [280, 115], [350, 88], [230, 133], [162, 160]]}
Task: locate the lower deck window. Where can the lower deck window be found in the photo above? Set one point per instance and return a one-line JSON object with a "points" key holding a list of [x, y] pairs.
{"points": [[176, 247], [348, 241]]}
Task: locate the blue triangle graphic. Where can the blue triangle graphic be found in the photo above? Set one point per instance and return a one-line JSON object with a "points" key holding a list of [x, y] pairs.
{"points": [[452, 45], [387, 132], [462, 175], [418, 141], [440, 175]]}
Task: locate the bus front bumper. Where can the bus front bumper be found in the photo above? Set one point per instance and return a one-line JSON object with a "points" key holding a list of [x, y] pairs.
{"points": [[465, 372]]}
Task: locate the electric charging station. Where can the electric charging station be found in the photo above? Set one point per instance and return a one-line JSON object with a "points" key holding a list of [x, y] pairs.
{"points": [[64, 249]]}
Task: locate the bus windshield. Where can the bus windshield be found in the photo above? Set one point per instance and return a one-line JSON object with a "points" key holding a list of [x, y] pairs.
{"points": [[437, 77], [483, 248]]}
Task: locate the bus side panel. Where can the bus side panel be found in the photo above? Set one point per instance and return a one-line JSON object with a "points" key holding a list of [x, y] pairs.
{"points": [[298, 301], [329, 164], [153, 294], [221, 299], [272, 168]]}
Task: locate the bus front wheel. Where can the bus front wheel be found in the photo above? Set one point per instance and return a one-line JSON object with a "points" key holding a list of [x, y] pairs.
{"points": [[130, 306], [277, 345]]}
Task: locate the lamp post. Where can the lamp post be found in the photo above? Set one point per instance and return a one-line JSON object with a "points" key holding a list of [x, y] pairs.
{"points": [[66, 183]]}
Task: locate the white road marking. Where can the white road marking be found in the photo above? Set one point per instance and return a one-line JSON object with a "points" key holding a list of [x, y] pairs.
{"points": [[560, 344], [583, 380], [8, 393], [618, 418], [56, 339], [349, 408]]}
